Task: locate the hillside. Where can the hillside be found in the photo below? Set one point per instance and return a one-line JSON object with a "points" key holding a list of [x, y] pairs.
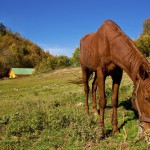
{"points": [[16, 51], [46, 112]]}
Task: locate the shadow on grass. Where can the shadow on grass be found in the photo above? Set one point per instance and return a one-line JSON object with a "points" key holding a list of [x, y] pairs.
{"points": [[126, 104], [78, 82]]}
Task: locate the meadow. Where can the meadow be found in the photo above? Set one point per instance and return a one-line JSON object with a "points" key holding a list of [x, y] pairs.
{"points": [[46, 112]]}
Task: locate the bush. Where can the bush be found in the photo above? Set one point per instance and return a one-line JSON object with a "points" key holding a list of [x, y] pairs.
{"points": [[143, 43], [53, 63]]}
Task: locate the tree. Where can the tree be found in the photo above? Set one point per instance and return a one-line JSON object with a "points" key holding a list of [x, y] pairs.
{"points": [[143, 42], [146, 26], [76, 57], [2, 29], [63, 61]]}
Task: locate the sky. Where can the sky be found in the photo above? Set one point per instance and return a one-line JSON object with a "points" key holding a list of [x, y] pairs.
{"points": [[58, 25]]}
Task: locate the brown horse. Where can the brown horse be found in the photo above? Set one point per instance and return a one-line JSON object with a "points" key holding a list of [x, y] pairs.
{"points": [[108, 52]]}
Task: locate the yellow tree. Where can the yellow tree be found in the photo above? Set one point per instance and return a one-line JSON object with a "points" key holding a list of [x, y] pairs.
{"points": [[143, 42]]}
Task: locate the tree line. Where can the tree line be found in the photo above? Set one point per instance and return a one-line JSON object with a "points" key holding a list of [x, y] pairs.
{"points": [[18, 52], [58, 62]]}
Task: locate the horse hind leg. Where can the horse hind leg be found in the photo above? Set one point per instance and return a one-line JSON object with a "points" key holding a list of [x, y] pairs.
{"points": [[94, 88], [85, 78], [116, 83]]}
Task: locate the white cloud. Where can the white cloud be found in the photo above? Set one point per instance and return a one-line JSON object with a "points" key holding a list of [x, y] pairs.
{"points": [[56, 50]]}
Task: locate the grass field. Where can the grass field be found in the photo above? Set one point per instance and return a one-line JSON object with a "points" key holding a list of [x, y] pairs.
{"points": [[46, 112]]}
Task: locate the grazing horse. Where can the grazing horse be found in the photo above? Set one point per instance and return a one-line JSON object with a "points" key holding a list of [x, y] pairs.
{"points": [[107, 52]]}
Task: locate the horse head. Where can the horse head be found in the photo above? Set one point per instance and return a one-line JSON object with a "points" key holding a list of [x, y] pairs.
{"points": [[141, 96]]}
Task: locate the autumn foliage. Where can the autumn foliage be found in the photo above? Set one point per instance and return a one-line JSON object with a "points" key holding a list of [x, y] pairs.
{"points": [[16, 51], [143, 42]]}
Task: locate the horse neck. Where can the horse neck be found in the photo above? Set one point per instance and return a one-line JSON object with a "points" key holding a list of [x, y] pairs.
{"points": [[128, 57]]}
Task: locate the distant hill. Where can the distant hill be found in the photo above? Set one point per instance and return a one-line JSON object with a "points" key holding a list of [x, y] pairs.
{"points": [[16, 51]]}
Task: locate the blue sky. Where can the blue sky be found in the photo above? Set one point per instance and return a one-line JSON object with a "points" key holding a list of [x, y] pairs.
{"points": [[58, 25]]}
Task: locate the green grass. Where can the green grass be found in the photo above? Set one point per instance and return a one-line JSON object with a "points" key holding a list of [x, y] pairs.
{"points": [[45, 112]]}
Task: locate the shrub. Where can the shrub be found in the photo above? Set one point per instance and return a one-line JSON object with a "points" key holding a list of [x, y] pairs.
{"points": [[52, 63]]}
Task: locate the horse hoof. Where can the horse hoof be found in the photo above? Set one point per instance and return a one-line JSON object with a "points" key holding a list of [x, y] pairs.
{"points": [[86, 113], [102, 137], [116, 130], [95, 113]]}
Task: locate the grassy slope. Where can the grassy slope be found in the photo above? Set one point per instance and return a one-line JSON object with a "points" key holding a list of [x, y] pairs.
{"points": [[45, 112]]}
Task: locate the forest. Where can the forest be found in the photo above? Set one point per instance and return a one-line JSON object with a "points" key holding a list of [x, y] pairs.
{"points": [[17, 51]]}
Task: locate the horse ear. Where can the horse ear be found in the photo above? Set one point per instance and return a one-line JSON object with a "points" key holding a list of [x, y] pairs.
{"points": [[143, 71]]}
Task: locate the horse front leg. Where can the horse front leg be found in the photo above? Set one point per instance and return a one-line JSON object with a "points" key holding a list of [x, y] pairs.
{"points": [[114, 105], [116, 83], [102, 100]]}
